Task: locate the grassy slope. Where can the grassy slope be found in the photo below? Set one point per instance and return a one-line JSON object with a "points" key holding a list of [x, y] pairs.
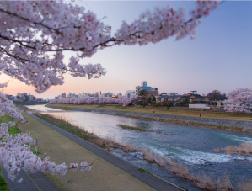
{"points": [[171, 111]]}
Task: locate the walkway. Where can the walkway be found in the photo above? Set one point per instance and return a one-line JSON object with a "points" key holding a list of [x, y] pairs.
{"points": [[31, 182]]}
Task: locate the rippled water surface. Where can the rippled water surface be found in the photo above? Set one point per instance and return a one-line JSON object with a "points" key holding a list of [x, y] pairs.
{"points": [[190, 145]]}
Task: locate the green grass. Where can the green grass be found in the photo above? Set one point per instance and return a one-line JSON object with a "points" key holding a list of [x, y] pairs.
{"points": [[142, 170], [100, 106], [131, 128], [3, 184], [70, 128], [12, 130], [64, 125]]}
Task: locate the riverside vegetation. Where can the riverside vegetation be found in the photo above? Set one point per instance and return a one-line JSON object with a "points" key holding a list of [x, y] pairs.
{"points": [[131, 128], [244, 149]]}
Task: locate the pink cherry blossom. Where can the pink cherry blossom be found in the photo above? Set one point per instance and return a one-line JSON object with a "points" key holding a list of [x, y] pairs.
{"points": [[123, 100], [239, 100], [15, 150]]}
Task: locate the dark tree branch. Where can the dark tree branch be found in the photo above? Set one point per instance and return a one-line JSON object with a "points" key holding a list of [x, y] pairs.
{"points": [[14, 56], [28, 20]]}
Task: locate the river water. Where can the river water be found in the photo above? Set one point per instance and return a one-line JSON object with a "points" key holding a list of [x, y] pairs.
{"points": [[192, 146]]}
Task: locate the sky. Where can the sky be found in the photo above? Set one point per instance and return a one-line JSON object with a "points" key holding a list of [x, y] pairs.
{"points": [[220, 58]]}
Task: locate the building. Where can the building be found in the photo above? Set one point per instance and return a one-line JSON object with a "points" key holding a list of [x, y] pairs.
{"points": [[168, 98], [94, 94], [39, 100], [199, 106], [144, 86], [196, 98], [10, 97], [107, 94], [63, 95], [130, 93], [72, 95], [22, 97], [32, 97], [154, 91], [215, 99], [192, 97]]}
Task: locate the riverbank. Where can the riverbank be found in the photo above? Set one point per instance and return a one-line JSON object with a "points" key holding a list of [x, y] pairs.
{"points": [[222, 121], [157, 110], [189, 146], [105, 174], [179, 170]]}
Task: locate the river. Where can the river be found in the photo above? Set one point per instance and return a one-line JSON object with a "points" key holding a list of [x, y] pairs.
{"points": [[192, 146]]}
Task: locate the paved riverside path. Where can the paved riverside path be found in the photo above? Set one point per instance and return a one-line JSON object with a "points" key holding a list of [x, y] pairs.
{"points": [[31, 182], [109, 173]]}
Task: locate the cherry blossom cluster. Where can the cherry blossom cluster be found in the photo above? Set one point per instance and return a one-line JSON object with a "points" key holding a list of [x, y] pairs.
{"points": [[239, 100], [15, 153], [163, 23], [3, 85], [95, 100], [35, 34]]}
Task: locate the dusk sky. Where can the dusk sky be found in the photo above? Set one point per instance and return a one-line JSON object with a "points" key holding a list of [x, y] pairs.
{"points": [[219, 58]]}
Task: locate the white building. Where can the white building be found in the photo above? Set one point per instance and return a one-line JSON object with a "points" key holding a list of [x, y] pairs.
{"points": [[130, 93]]}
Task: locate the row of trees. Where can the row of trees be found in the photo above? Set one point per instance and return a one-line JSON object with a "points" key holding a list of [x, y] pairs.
{"points": [[95, 100]]}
